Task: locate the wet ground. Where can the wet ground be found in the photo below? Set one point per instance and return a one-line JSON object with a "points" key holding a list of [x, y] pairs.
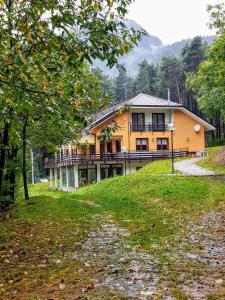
{"points": [[197, 263]]}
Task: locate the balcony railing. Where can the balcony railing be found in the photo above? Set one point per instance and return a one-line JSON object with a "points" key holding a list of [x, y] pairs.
{"points": [[148, 127], [131, 156]]}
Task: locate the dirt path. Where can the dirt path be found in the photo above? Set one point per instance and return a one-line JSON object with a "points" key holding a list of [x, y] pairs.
{"points": [[189, 167], [125, 269], [196, 271]]}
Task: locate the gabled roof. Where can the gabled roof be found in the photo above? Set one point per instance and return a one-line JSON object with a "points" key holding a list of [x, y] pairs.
{"points": [[143, 100], [151, 101]]}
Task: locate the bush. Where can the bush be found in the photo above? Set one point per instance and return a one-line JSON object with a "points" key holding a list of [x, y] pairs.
{"points": [[216, 142]]}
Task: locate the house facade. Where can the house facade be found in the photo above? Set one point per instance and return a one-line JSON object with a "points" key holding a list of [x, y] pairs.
{"points": [[147, 128]]}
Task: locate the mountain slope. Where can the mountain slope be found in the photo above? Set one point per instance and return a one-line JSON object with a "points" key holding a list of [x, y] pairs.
{"points": [[150, 48]]}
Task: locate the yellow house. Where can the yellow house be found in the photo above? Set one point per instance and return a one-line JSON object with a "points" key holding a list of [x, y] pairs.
{"points": [[148, 128]]}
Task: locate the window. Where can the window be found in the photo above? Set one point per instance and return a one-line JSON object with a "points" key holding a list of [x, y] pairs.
{"points": [[162, 144], [141, 144], [108, 171], [158, 122], [138, 121], [87, 174]]}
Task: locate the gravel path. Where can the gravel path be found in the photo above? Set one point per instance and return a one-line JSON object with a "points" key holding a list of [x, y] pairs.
{"points": [[130, 271], [188, 167]]}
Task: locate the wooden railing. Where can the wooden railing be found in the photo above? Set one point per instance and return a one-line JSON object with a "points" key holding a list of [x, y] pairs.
{"points": [[131, 156]]}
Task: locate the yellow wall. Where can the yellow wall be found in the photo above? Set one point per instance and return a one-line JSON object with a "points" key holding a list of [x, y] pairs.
{"points": [[184, 136]]}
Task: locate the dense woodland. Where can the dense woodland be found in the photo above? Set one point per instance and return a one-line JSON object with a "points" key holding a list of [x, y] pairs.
{"points": [[155, 80]]}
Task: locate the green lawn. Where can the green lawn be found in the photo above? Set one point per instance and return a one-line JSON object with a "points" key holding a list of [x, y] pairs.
{"points": [[153, 208], [210, 163]]}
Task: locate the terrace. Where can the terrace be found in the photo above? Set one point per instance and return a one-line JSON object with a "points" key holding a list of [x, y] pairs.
{"points": [[58, 160]]}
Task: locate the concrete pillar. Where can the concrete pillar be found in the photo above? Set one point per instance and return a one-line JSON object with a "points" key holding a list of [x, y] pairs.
{"points": [[67, 178], [98, 173], [60, 178], [56, 178], [51, 178], [76, 179], [124, 169]]}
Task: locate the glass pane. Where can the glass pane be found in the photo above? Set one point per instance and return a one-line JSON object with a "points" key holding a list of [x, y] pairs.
{"points": [[138, 142], [160, 119], [154, 119], [92, 175], [64, 176], [71, 177], [158, 141], [164, 141]]}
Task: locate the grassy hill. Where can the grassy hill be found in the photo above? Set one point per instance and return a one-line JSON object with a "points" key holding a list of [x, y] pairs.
{"points": [[155, 210], [215, 160]]}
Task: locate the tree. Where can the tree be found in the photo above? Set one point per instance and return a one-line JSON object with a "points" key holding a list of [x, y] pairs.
{"points": [[209, 82], [107, 83], [121, 84], [146, 78], [193, 54], [107, 132], [170, 75], [43, 47]]}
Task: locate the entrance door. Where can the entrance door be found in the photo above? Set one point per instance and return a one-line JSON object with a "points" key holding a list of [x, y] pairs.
{"points": [[118, 145], [158, 121], [138, 121], [109, 147], [92, 149], [102, 148]]}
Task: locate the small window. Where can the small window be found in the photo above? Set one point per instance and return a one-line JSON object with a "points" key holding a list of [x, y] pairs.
{"points": [[141, 144], [162, 144]]}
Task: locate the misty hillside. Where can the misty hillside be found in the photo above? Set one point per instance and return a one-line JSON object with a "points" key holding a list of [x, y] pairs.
{"points": [[150, 48]]}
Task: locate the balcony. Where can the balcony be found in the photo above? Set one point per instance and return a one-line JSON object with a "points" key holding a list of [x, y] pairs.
{"points": [[56, 161], [148, 127]]}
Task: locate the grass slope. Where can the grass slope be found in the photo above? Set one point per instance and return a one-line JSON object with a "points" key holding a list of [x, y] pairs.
{"points": [[36, 235], [210, 163]]}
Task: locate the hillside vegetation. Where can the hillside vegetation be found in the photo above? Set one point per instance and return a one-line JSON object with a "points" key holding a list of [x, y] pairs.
{"points": [[215, 160], [39, 239]]}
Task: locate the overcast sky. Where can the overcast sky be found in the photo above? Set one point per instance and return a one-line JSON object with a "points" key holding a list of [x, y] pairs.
{"points": [[172, 20]]}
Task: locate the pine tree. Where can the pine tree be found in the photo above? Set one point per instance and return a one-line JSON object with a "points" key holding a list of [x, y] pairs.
{"points": [[169, 75], [146, 78], [121, 85]]}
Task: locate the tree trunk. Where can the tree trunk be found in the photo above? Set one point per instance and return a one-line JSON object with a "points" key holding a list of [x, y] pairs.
{"points": [[24, 163], [12, 175], [4, 145]]}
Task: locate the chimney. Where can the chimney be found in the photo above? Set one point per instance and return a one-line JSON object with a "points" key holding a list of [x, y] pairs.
{"points": [[168, 95]]}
